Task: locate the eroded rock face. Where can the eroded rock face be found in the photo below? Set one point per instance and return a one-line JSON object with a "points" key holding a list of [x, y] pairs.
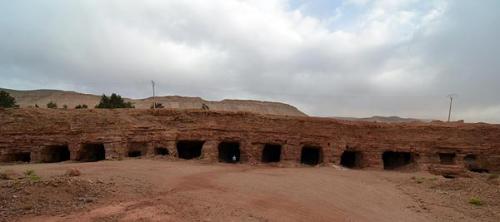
{"points": [[35, 135]]}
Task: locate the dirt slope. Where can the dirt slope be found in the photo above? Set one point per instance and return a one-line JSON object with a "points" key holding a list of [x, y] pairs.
{"points": [[162, 190], [149, 190], [385, 119], [41, 97]]}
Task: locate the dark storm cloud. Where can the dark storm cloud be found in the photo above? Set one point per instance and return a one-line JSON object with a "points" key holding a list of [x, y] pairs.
{"points": [[367, 58]]}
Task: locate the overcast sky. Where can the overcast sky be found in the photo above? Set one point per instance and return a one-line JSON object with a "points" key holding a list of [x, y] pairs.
{"points": [[327, 57]]}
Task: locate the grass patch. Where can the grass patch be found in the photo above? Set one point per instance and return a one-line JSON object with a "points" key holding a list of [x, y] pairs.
{"points": [[475, 201], [31, 175]]}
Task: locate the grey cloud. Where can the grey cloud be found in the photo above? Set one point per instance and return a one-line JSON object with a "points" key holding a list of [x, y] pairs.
{"points": [[262, 50]]}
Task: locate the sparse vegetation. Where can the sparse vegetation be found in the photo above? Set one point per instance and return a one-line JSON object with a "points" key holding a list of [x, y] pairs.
{"points": [[82, 106], [52, 105], [7, 101], [475, 201], [113, 102], [31, 175], [158, 106]]}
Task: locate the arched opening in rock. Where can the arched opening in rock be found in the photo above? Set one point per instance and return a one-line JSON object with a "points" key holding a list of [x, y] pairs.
{"points": [[229, 152], [17, 157], [189, 149], [472, 164], [311, 155], [134, 153], [351, 159], [397, 160], [447, 158], [271, 153], [91, 152], [137, 149], [161, 151], [54, 154]]}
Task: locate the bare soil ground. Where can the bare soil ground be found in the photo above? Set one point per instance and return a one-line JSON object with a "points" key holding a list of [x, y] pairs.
{"points": [[166, 190]]}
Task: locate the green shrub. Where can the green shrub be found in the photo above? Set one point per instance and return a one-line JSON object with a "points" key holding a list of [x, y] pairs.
{"points": [[158, 106], [31, 175], [7, 101], [52, 105], [475, 201], [113, 102], [83, 106]]}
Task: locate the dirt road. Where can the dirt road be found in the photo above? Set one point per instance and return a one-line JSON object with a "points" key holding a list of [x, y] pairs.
{"points": [[158, 190]]}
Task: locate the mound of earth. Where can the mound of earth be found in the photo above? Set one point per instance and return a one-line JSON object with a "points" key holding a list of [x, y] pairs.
{"points": [[59, 194], [30, 98]]}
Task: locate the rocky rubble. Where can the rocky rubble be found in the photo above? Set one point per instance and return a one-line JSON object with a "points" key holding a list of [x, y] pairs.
{"points": [[52, 196], [476, 196]]}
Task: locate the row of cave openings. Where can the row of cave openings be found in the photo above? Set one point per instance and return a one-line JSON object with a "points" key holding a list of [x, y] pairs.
{"points": [[60, 153], [229, 152], [393, 160]]}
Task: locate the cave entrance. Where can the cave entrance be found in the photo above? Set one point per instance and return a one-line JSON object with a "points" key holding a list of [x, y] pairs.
{"points": [[447, 158], [311, 155], [161, 151], [137, 149], [472, 164], [17, 157], [189, 149], [55, 153], [229, 152], [395, 160], [351, 159], [134, 153], [271, 153], [91, 152]]}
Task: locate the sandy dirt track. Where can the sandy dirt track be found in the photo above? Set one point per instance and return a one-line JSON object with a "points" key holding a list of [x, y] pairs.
{"points": [[159, 190]]}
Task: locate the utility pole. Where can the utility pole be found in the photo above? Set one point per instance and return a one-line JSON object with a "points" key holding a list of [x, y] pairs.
{"points": [[154, 99], [451, 103]]}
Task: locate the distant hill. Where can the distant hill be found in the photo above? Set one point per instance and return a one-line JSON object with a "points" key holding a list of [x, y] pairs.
{"points": [[28, 98], [384, 119]]}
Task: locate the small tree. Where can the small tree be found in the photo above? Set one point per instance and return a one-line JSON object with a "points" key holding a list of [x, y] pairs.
{"points": [[52, 105], [65, 106], [158, 106], [7, 101], [113, 102], [36, 106]]}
